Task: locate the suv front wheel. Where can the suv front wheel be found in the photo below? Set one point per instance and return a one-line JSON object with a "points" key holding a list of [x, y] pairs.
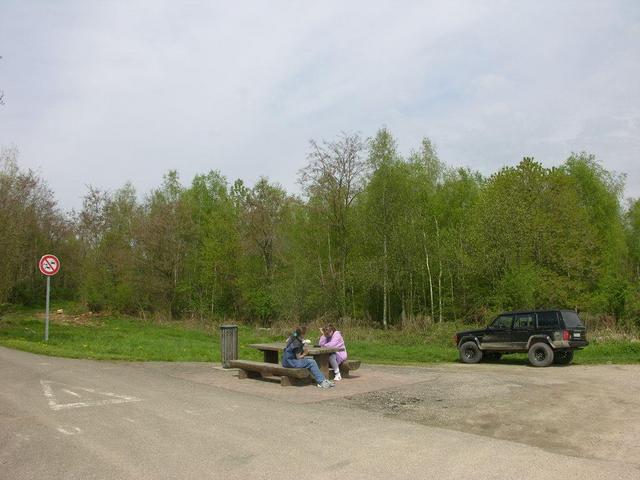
{"points": [[540, 355], [470, 353]]}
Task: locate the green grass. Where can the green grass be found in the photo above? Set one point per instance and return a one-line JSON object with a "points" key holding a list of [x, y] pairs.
{"points": [[609, 351], [117, 337], [111, 338]]}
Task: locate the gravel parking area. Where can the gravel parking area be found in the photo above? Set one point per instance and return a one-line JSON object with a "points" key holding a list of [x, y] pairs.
{"points": [[583, 411]]}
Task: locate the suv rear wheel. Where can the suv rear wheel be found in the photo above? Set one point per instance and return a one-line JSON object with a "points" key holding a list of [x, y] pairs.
{"points": [[470, 353], [540, 355], [563, 357]]}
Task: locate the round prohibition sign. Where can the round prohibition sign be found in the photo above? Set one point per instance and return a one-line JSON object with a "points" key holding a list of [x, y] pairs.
{"points": [[49, 265]]}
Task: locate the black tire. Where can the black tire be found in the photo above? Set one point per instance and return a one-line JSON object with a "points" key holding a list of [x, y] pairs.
{"points": [[470, 353], [563, 357], [540, 355]]}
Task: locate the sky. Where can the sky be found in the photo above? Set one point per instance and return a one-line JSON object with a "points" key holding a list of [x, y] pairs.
{"points": [[104, 92]]}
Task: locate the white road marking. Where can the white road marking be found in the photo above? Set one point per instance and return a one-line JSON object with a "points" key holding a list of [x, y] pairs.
{"points": [[129, 419], [113, 398], [75, 431], [70, 392], [48, 392]]}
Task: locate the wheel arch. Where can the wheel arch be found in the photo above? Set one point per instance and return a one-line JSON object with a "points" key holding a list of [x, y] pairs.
{"points": [[540, 339], [469, 338]]}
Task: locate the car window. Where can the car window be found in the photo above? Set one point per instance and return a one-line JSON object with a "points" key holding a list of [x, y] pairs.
{"points": [[547, 320], [524, 321], [502, 322], [571, 319]]}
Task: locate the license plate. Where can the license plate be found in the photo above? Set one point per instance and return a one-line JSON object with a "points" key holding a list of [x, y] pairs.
{"points": [[576, 335]]}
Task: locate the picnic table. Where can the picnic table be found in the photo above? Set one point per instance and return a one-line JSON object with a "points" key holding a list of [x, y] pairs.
{"points": [[321, 355]]}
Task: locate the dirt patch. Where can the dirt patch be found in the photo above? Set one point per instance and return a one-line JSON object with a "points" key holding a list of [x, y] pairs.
{"points": [[581, 411], [590, 412], [365, 380], [84, 319]]}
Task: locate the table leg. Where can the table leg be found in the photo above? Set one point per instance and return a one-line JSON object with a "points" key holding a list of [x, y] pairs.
{"points": [[323, 363], [270, 356]]}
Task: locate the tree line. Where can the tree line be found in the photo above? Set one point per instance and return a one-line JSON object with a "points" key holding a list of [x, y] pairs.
{"points": [[376, 236]]}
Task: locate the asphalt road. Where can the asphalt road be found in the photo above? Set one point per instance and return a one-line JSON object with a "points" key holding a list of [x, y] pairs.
{"points": [[78, 419]]}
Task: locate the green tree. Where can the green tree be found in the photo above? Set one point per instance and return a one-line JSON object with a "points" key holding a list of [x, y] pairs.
{"points": [[263, 215], [163, 239], [332, 180], [211, 264], [532, 242], [600, 192], [632, 218], [30, 226]]}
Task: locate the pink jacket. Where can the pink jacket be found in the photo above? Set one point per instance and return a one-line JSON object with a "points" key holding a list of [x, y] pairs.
{"points": [[335, 341]]}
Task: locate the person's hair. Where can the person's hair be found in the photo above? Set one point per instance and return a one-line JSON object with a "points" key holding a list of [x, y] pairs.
{"points": [[299, 332], [329, 328]]}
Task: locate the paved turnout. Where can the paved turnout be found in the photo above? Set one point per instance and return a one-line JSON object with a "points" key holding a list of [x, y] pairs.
{"points": [[79, 419]]}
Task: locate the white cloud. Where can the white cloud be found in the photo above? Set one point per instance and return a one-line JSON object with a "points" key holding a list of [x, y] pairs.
{"points": [[102, 92]]}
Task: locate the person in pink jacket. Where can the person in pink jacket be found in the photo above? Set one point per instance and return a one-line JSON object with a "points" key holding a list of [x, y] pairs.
{"points": [[332, 338]]}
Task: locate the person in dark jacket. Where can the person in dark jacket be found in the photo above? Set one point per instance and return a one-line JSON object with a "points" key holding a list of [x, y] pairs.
{"points": [[294, 356]]}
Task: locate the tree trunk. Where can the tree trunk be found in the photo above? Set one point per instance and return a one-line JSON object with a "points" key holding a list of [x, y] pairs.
{"points": [[353, 302], [331, 271], [426, 254], [213, 290], [321, 272], [384, 287], [343, 303], [424, 290], [453, 310], [462, 276], [439, 273], [440, 293], [411, 294]]}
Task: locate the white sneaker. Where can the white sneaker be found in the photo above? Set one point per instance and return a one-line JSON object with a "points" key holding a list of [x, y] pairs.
{"points": [[337, 377], [325, 384]]}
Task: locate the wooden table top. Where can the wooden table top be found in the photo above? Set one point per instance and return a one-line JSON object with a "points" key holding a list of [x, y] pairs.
{"points": [[279, 346]]}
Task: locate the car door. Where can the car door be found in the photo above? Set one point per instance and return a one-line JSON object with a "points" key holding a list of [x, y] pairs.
{"points": [[497, 335], [523, 327], [548, 324]]}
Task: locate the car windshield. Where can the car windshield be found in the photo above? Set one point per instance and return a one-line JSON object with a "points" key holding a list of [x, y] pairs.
{"points": [[571, 319]]}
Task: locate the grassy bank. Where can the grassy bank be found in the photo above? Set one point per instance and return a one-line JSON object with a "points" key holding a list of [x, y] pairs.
{"points": [[78, 334]]}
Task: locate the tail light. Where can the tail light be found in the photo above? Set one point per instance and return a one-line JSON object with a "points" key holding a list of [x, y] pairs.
{"points": [[566, 336], [455, 339]]}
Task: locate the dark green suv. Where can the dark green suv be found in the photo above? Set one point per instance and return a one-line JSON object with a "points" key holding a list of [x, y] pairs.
{"points": [[548, 336]]}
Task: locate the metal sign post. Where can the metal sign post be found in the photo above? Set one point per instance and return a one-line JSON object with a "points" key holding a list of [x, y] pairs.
{"points": [[49, 265], [46, 315]]}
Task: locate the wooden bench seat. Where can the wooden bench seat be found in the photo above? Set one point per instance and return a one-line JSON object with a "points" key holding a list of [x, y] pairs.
{"points": [[288, 376], [345, 367]]}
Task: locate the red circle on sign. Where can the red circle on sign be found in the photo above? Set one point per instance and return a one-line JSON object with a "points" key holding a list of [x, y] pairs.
{"points": [[49, 265]]}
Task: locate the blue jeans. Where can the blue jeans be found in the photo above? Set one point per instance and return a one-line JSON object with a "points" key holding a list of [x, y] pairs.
{"points": [[309, 363]]}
